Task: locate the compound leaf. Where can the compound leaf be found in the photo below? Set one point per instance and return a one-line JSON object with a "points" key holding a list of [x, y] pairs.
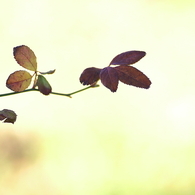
{"points": [[90, 76], [25, 57], [43, 85], [7, 116], [132, 76], [109, 78], [127, 58], [19, 80]]}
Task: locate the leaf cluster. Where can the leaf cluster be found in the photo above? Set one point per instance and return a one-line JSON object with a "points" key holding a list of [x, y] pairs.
{"points": [[110, 76], [21, 79]]}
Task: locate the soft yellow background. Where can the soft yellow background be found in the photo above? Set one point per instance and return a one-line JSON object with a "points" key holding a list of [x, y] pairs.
{"points": [[134, 141]]}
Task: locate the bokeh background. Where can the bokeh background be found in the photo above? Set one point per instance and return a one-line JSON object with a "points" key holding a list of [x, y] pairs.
{"points": [[134, 141]]}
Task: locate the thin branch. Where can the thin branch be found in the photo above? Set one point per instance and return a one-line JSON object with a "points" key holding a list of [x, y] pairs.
{"points": [[54, 93], [13, 93], [91, 86]]}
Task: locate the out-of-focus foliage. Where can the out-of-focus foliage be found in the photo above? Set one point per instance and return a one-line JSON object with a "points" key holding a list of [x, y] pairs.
{"points": [[17, 151], [94, 162]]}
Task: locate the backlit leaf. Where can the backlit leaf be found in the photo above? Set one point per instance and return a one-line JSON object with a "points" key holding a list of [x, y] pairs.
{"points": [[43, 85], [132, 76], [19, 80], [90, 76], [7, 116], [25, 57], [109, 78], [127, 58], [48, 72]]}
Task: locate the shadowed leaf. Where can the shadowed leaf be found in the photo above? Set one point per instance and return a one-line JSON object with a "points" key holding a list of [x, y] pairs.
{"points": [[109, 78], [7, 116], [48, 72], [90, 76], [127, 58], [25, 57], [19, 80], [43, 85], [132, 76]]}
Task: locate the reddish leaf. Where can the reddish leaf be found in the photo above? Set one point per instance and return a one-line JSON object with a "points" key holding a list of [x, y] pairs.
{"points": [[48, 72], [43, 85], [90, 76], [129, 57], [25, 57], [109, 78], [7, 116], [132, 76], [19, 80]]}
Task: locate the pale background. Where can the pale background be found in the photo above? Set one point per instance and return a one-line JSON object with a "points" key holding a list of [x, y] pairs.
{"points": [[134, 141]]}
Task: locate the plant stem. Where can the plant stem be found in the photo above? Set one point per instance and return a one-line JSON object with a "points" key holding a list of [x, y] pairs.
{"points": [[54, 93], [13, 93], [83, 89]]}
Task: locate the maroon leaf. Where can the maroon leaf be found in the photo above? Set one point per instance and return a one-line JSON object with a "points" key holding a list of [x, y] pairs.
{"points": [[109, 78], [132, 76], [90, 76], [129, 57]]}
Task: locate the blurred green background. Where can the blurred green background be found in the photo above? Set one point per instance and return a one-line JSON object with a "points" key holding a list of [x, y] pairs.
{"points": [[134, 141]]}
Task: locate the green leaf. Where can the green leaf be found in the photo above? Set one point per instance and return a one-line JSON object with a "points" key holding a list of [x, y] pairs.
{"points": [[43, 85]]}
